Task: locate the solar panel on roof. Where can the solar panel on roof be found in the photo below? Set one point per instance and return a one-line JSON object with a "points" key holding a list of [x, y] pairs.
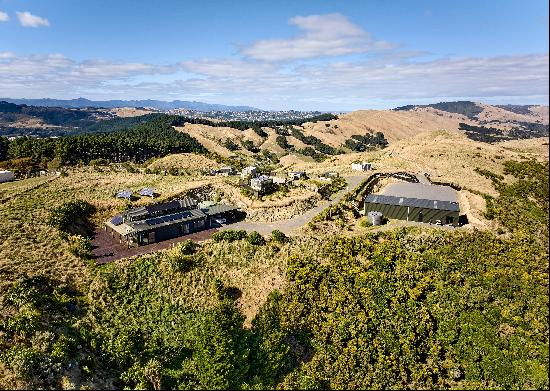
{"points": [[117, 220], [147, 192], [124, 194]]}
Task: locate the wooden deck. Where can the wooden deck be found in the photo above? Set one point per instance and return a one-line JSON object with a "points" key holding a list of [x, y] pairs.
{"points": [[107, 248]]}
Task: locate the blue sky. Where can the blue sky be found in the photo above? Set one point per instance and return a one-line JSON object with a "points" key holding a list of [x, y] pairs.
{"points": [[324, 55]]}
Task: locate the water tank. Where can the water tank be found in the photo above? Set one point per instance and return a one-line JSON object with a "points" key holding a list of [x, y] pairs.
{"points": [[375, 218]]}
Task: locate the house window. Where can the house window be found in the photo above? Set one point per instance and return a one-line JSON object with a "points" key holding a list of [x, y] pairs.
{"points": [[449, 220], [420, 217]]}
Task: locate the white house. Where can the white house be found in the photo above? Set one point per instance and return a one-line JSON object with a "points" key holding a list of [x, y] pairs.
{"points": [[362, 166], [249, 171], [261, 183], [6, 176], [227, 170], [278, 180]]}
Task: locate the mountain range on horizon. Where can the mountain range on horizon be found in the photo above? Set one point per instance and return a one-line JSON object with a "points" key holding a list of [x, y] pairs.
{"points": [[109, 104]]}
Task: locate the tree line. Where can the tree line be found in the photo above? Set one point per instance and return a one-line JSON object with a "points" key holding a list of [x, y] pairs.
{"points": [[153, 139]]}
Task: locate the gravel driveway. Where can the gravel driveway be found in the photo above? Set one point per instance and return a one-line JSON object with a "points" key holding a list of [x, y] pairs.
{"points": [[288, 226]]}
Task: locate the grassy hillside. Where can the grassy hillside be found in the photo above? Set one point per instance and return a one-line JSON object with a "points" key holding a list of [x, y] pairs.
{"points": [[403, 309], [343, 308]]}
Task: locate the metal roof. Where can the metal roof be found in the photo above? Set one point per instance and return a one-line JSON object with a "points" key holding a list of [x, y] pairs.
{"points": [[412, 202], [420, 191], [161, 221], [187, 202], [220, 208], [161, 208]]}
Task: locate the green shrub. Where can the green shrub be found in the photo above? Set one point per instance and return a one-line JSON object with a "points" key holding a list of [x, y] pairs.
{"points": [[80, 246], [187, 247], [255, 239], [278, 236], [66, 215], [229, 235], [27, 321], [364, 222]]}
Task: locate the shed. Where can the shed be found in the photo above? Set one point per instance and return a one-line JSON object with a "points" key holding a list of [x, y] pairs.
{"points": [[278, 180], [261, 183], [362, 166], [6, 176], [226, 170], [297, 175], [416, 202]]}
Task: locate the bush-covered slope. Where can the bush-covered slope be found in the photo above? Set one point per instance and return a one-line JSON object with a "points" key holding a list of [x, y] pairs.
{"points": [[403, 309]]}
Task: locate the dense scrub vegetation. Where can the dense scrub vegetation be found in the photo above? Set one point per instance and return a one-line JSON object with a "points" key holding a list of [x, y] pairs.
{"points": [[486, 134], [408, 308], [51, 115], [317, 156], [283, 143], [243, 125], [466, 108], [314, 142], [518, 109], [522, 204], [66, 217], [115, 124], [155, 138], [367, 142]]}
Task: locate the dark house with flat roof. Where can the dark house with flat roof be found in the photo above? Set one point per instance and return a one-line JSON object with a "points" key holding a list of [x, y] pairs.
{"points": [[416, 202], [167, 220]]}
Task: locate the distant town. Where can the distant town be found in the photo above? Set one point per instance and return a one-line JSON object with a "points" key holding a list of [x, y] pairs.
{"points": [[256, 115]]}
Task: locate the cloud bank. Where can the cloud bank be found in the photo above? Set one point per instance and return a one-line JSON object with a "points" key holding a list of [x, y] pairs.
{"points": [[287, 73]]}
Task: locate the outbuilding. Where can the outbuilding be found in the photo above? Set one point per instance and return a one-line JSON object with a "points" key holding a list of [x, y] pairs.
{"points": [[416, 202], [249, 171], [362, 166], [6, 176]]}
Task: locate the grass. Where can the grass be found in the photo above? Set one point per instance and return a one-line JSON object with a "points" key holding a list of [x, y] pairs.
{"points": [[29, 246]]}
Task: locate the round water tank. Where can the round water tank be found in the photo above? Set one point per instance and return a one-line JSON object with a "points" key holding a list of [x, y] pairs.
{"points": [[375, 218]]}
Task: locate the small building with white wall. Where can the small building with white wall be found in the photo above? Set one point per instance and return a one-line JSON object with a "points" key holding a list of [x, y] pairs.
{"points": [[362, 166], [250, 171]]}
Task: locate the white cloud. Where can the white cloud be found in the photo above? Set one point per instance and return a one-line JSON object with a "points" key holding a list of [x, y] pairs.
{"points": [[261, 78], [29, 20], [228, 68], [4, 17], [342, 85], [322, 36], [339, 85]]}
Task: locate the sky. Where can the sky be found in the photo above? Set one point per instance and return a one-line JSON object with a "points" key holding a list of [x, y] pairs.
{"points": [[277, 55]]}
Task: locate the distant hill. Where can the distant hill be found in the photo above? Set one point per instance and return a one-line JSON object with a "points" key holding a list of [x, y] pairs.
{"points": [[464, 107], [109, 104]]}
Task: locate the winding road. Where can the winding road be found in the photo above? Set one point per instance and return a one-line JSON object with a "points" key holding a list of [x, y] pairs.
{"points": [[289, 225]]}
